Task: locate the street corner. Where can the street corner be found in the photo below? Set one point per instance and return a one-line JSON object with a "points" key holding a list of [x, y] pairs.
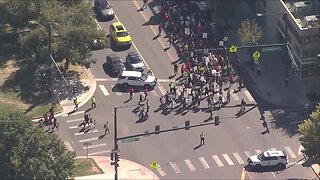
{"points": [[135, 170]]}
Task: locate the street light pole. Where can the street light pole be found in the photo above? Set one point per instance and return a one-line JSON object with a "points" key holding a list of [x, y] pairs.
{"points": [[285, 16], [115, 143]]}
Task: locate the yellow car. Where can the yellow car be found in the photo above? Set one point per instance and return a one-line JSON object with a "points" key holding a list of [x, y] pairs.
{"points": [[120, 35]]}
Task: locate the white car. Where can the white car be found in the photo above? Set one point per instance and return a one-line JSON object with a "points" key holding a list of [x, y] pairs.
{"points": [[136, 78], [269, 158]]}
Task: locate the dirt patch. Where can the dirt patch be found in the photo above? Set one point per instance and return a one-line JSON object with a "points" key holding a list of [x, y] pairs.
{"points": [[86, 167]]}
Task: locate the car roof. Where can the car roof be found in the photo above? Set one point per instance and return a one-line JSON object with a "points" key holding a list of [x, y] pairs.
{"points": [[270, 153], [133, 54], [114, 57], [131, 73], [119, 26]]}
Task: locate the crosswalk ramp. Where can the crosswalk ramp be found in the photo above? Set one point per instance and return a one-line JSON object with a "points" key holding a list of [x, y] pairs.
{"points": [[220, 161]]}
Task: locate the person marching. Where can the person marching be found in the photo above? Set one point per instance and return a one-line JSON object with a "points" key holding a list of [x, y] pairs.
{"points": [[175, 69], [55, 124], [202, 135], [242, 106], [160, 27], [76, 103], [228, 96], [93, 102], [106, 127], [131, 91]]}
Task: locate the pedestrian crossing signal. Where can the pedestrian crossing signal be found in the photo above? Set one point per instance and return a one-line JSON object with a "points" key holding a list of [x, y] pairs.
{"points": [[157, 129], [216, 120], [187, 125]]}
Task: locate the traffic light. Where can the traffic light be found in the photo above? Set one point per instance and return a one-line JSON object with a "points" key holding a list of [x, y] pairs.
{"points": [[187, 125], [157, 129], [112, 156], [74, 89], [117, 157], [216, 120]]}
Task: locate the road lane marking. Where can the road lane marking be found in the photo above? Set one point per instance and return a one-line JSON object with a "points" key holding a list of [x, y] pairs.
{"points": [[217, 160], [104, 90], [68, 145], [258, 151], [273, 149], [190, 165], [235, 97], [90, 139], [73, 127], [72, 114], [160, 171], [175, 167], [300, 149], [106, 79], [247, 93], [82, 133], [239, 159], [227, 158], [204, 163], [289, 150], [94, 146], [100, 152], [243, 174], [161, 88], [74, 120], [165, 80], [247, 153]]}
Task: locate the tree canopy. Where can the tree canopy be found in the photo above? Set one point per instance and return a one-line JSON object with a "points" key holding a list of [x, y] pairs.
{"points": [[249, 32], [310, 138], [27, 152]]}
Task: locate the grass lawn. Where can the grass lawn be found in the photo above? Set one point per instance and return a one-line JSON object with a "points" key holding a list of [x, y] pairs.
{"points": [[86, 167]]}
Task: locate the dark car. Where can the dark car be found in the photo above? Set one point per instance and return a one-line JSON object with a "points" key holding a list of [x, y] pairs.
{"points": [[134, 62], [103, 9], [115, 63]]}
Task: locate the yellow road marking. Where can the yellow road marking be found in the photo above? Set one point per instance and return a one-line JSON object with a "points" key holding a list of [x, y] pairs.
{"points": [[243, 174], [152, 29]]}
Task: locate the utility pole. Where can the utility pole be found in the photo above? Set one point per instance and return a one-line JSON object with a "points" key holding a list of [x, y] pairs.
{"points": [[285, 17], [116, 150]]}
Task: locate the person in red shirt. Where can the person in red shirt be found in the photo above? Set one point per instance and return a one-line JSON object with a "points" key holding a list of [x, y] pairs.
{"points": [[131, 91]]}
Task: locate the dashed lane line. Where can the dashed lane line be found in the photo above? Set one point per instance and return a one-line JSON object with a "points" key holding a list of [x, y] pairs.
{"points": [[190, 165], [74, 120], [289, 150], [204, 163], [217, 160], [228, 159], [94, 146], [100, 152], [234, 96], [247, 153], [175, 167]]}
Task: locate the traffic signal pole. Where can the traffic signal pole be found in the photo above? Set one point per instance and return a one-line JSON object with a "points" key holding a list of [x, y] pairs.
{"points": [[285, 17], [115, 144]]}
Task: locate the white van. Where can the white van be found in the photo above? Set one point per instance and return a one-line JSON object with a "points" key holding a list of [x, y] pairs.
{"points": [[136, 78]]}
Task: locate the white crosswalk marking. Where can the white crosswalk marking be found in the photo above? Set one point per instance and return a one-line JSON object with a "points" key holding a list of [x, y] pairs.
{"points": [[90, 139], [235, 97], [217, 160], [75, 113], [247, 93], [204, 163], [104, 90], [160, 171], [89, 132], [154, 93], [94, 146], [175, 167], [75, 120], [190, 165], [273, 149], [227, 158], [100, 152], [258, 151], [104, 79], [237, 156], [73, 127], [300, 149], [289, 150], [247, 153]]}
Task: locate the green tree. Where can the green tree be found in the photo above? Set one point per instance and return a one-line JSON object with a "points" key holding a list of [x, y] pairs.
{"points": [[27, 152], [249, 32], [310, 138]]}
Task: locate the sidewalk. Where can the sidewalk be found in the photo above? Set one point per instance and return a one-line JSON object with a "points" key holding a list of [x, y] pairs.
{"points": [[127, 170]]}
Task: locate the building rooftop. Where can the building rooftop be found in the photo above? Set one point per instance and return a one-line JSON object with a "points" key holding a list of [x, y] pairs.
{"points": [[306, 13]]}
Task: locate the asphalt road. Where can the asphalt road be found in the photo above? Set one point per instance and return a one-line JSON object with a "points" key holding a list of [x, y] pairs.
{"points": [[227, 145]]}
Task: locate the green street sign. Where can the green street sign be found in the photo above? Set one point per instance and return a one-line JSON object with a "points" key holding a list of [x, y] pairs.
{"points": [[133, 139], [154, 165], [268, 49], [233, 49], [256, 55]]}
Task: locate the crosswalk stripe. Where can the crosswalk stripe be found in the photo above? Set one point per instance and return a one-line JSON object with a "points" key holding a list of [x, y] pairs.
{"points": [[73, 127], [100, 152], [160, 171], [237, 156], [234, 96], [300, 149], [204, 163], [75, 113], [104, 90], [90, 139], [247, 93], [94, 146], [175, 167], [115, 90], [75, 120], [273, 149], [82, 133], [165, 80], [247, 153], [227, 158], [258, 151], [289, 150], [154, 93], [217, 160], [105, 79], [189, 164]]}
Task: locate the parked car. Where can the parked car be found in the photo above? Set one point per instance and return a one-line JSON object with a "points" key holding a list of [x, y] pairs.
{"points": [[134, 62], [115, 63], [103, 9], [269, 158], [119, 34], [136, 78]]}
